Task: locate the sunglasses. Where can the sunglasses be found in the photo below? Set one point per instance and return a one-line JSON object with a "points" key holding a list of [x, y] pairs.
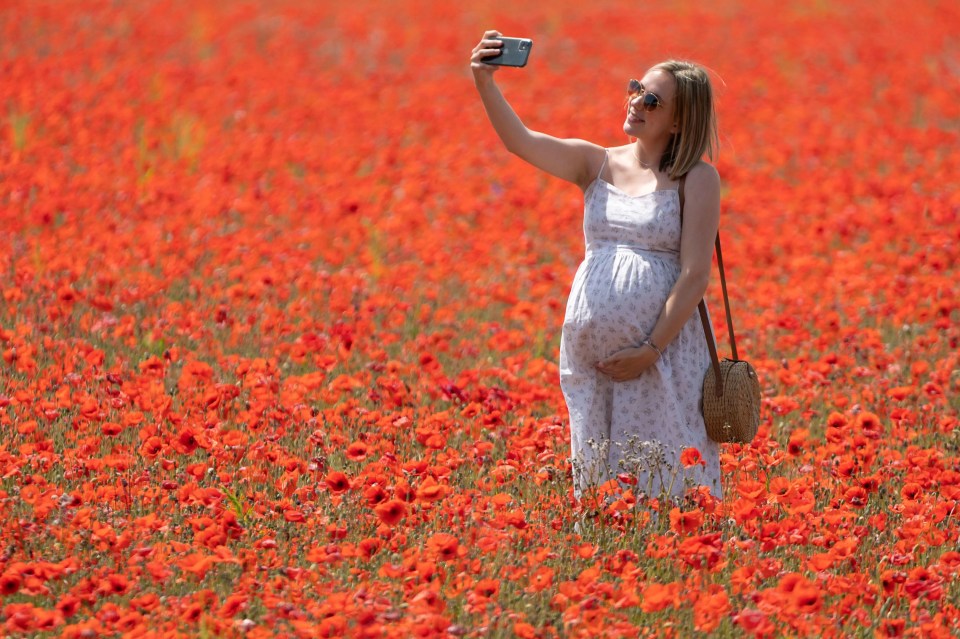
{"points": [[649, 101]]}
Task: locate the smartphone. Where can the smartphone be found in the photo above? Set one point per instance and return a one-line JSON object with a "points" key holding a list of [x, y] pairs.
{"points": [[513, 53]]}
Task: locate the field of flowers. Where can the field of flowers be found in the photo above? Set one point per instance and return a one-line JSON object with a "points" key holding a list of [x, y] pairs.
{"points": [[280, 317]]}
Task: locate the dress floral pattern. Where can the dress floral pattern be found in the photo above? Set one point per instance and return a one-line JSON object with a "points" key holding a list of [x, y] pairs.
{"points": [[639, 426]]}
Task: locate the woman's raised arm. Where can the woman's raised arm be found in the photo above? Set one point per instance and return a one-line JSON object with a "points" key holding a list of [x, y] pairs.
{"points": [[572, 160]]}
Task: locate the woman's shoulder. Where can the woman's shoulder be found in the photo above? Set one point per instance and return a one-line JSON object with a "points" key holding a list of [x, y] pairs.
{"points": [[703, 175], [703, 171]]}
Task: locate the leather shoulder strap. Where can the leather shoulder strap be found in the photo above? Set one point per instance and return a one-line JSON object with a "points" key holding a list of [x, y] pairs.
{"points": [[683, 181]]}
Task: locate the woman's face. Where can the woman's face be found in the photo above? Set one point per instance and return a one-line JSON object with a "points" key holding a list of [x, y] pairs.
{"points": [[658, 123]]}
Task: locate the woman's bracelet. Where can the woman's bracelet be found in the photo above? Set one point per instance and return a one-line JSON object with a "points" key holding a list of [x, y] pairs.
{"points": [[648, 342]]}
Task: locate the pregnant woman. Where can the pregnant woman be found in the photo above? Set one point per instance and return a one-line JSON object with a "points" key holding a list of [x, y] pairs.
{"points": [[632, 352]]}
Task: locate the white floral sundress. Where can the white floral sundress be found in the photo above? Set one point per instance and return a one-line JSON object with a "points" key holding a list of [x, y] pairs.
{"points": [[641, 426]]}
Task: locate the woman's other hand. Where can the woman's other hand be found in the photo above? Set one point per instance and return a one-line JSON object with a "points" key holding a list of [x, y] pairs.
{"points": [[627, 364]]}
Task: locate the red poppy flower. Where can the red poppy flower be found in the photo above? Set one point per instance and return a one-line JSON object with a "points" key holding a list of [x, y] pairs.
{"points": [[294, 516], [374, 494], [658, 597], [487, 588], [111, 429], [151, 448], [10, 583], [337, 482], [186, 442], [685, 522], [691, 457], [357, 451], [391, 512], [444, 546]]}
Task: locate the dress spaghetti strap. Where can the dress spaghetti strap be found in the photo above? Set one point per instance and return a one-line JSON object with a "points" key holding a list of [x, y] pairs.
{"points": [[602, 164]]}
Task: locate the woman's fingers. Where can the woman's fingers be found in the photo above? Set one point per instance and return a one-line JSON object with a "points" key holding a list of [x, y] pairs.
{"points": [[621, 367], [486, 52], [610, 368], [488, 46]]}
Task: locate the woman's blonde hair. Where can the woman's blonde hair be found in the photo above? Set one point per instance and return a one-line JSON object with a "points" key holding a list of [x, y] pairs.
{"points": [[693, 108]]}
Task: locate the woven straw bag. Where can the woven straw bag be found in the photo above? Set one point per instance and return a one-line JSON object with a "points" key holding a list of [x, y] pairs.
{"points": [[731, 389]]}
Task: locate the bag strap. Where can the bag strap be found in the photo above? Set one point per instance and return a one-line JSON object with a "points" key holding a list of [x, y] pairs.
{"points": [[707, 329]]}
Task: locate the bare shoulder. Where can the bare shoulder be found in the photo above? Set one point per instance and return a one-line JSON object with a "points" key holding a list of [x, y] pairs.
{"points": [[594, 152], [594, 155], [703, 196], [616, 157], [703, 179]]}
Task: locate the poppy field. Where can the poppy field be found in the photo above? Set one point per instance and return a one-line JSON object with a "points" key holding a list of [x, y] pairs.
{"points": [[280, 319]]}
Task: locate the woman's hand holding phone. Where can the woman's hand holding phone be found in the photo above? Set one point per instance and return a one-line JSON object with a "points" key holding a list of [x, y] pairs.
{"points": [[488, 46], [507, 52]]}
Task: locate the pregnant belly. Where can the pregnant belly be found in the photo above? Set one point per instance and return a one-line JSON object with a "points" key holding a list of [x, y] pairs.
{"points": [[619, 287], [613, 306]]}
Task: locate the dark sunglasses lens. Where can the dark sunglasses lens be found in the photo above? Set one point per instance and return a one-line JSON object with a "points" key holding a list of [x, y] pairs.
{"points": [[633, 86], [650, 102]]}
